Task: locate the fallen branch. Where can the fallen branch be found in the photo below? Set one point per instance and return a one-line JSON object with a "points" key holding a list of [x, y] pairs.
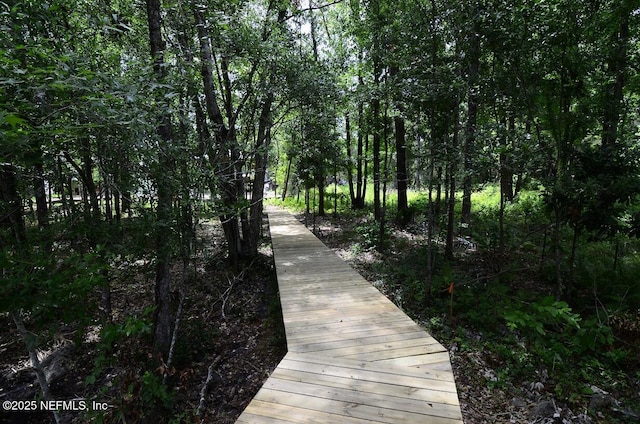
{"points": [[205, 386], [174, 338], [35, 362], [225, 295]]}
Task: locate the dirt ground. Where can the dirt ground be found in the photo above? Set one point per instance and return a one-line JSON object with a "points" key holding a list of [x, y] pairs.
{"points": [[230, 332]]}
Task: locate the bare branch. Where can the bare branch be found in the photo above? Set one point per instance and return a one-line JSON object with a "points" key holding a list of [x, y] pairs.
{"points": [[311, 8], [205, 386]]}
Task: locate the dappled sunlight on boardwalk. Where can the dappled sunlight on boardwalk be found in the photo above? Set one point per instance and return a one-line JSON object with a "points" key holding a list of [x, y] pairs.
{"points": [[353, 356]]}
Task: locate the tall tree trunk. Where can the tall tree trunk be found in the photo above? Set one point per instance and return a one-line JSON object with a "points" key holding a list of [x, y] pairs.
{"points": [[401, 169], [616, 67], [117, 206], [401, 156], [262, 146], [321, 191], [452, 165], [72, 202], [11, 214], [572, 261], [557, 253], [365, 176], [506, 169], [352, 194], [162, 318], [501, 233], [286, 179], [439, 182], [383, 209], [224, 165], [472, 117], [430, 229], [61, 184], [42, 211], [361, 162], [335, 189], [377, 55], [87, 167], [375, 103]]}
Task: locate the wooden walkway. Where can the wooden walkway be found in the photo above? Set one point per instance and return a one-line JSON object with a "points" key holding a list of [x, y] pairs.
{"points": [[353, 356]]}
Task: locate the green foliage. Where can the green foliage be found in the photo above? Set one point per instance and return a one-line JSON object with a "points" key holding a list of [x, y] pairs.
{"points": [[132, 327], [618, 287], [114, 334], [46, 286], [542, 316], [154, 392], [369, 234], [557, 334]]}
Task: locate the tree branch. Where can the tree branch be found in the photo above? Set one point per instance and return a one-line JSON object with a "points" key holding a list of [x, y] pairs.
{"points": [[311, 8], [205, 386]]}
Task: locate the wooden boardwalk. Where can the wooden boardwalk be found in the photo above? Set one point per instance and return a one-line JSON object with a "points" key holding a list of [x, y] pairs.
{"points": [[353, 356]]}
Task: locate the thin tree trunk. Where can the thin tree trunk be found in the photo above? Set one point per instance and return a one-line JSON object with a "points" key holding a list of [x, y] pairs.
{"points": [[572, 260], [335, 189], [365, 177], [162, 318], [63, 194], [375, 104], [616, 255], [401, 169], [72, 202], [286, 180], [558, 254], [616, 67], [12, 205], [383, 209], [438, 205], [501, 237], [472, 116], [41, 196], [262, 145], [452, 183], [506, 169], [401, 156], [430, 228], [361, 178], [352, 194]]}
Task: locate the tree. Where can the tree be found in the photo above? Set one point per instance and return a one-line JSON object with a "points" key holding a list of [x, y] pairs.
{"points": [[162, 314]]}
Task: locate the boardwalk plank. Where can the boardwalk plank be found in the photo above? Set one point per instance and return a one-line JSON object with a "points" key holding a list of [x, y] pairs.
{"points": [[277, 412], [370, 371], [364, 386], [371, 399], [343, 409]]}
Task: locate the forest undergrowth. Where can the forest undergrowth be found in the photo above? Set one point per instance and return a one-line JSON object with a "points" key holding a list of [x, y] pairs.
{"points": [[229, 340], [519, 355]]}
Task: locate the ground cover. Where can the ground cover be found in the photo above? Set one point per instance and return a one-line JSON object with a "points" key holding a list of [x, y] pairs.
{"points": [[519, 354], [229, 340]]}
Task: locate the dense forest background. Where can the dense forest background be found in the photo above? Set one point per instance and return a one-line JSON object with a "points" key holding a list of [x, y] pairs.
{"points": [[505, 130]]}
